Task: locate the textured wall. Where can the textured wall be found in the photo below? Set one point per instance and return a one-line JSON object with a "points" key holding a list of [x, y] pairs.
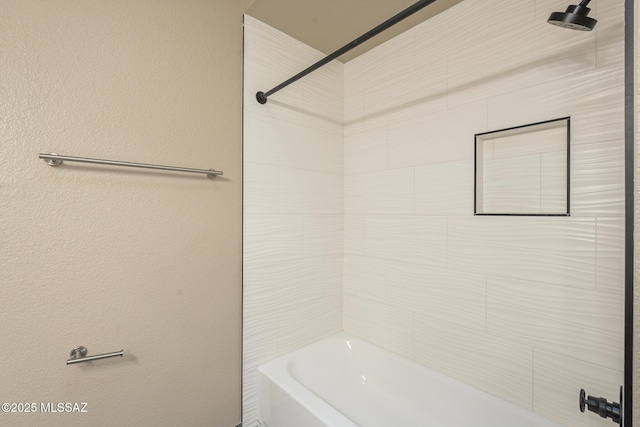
{"points": [[111, 258], [293, 209], [529, 309]]}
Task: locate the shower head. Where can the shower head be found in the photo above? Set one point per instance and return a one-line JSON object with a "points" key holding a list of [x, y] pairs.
{"points": [[575, 18]]}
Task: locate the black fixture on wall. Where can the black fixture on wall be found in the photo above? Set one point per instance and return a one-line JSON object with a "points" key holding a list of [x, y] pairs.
{"points": [[261, 97], [602, 407], [574, 18], [629, 168]]}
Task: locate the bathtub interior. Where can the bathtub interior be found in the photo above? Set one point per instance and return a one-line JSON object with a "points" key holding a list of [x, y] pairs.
{"points": [[344, 381]]}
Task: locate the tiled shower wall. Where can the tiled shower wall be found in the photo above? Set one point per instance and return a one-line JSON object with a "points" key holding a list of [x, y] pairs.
{"points": [[293, 202], [362, 217], [527, 308]]}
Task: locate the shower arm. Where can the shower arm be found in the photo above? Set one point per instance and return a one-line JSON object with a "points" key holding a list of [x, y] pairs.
{"points": [[261, 97]]}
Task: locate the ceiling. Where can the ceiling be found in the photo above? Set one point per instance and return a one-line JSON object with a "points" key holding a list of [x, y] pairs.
{"points": [[327, 25]]}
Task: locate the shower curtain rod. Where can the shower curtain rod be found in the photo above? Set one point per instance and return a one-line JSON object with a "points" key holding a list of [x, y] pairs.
{"points": [[261, 97]]}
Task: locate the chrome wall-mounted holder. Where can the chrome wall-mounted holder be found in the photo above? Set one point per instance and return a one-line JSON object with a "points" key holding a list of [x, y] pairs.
{"points": [[602, 407], [51, 161], [79, 354]]}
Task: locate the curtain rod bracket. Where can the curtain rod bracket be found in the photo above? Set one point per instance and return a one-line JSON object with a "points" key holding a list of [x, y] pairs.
{"points": [[261, 98]]}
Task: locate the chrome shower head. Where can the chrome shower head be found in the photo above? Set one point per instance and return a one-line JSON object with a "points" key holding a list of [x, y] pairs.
{"points": [[574, 18]]}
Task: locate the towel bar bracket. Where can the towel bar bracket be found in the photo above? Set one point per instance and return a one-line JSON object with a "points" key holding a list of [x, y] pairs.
{"points": [[78, 352], [53, 162]]}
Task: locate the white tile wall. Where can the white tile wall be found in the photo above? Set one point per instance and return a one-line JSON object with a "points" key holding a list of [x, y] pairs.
{"points": [[581, 324], [273, 237], [532, 54], [444, 188], [379, 323], [365, 278], [419, 239], [353, 234], [597, 132], [554, 250], [382, 192], [293, 203], [608, 47], [365, 150], [260, 193], [359, 203], [430, 291], [575, 96], [309, 192], [501, 367], [450, 32], [610, 255], [262, 66], [305, 322], [517, 293], [557, 381], [435, 138], [553, 182], [289, 142], [510, 185], [323, 235]]}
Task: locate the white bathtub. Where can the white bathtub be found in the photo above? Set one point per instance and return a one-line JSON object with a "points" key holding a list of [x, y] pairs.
{"points": [[343, 381]]}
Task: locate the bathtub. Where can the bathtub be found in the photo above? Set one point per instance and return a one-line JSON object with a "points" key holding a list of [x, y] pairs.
{"points": [[343, 381]]}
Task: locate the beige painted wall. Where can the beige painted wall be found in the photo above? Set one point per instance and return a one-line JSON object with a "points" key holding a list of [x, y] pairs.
{"points": [[110, 258]]}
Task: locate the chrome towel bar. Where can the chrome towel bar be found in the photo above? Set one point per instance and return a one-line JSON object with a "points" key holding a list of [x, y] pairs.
{"points": [[54, 159], [79, 354]]}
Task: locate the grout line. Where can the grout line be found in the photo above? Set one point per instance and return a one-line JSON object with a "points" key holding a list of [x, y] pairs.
{"points": [[446, 243], [568, 357], [413, 336], [486, 112], [386, 281], [386, 147], [535, 9], [304, 235], [486, 304], [447, 83], [277, 190], [413, 182], [533, 377], [595, 265], [540, 181]]}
